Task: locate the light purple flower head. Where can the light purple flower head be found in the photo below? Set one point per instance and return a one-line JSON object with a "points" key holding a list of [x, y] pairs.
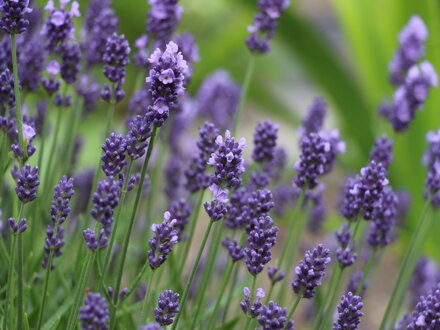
{"points": [[252, 308]]}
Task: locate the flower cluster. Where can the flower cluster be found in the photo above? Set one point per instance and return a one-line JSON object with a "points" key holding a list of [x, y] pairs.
{"points": [[349, 312], [94, 314], [265, 22], [252, 308], [431, 160], [113, 156], [265, 140], [235, 251], [216, 209], [382, 151], [28, 181], [162, 19], [314, 120], [161, 244], [14, 19], [345, 254], [310, 271], [275, 274], [427, 311], [167, 307], [274, 317]]}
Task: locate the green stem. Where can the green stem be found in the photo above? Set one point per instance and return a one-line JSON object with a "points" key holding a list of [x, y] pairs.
{"points": [[19, 116], [403, 267], [367, 271], [46, 285], [193, 223], [137, 279], [111, 114], [192, 274], [9, 281], [144, 310], [118, 218], [20, 309], [79, 292], [254, 285], [231, 292], [225, 282], [272, 285], [132, 218], [43, 136], [324, 303], [76, 114], [292, 311], [244, 93], [332, 302]]}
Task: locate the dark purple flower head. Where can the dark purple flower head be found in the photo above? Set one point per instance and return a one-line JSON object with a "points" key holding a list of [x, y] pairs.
{"points": [[235, 251], [206, 144], [113, 156], [382, 151], [259, 178], [59, 26], [265, 141], [310, 271], [189, 49], [355, 281], [59, 211], [425, 277], [343, 236], [70, 62], [14, 16], [349, 312], [161, 244], [94, 314], [260, 240], [252, 308], [141, 57], [51, 84], [93, 10], [7, 96], [411, 48], [217, 209], [384, 219], [227, 161], [275, 274], [167, 307], [350, 204], [318, 155], [218, 99], [139, 133], [151, 326], [173, 176], [274, 317], [284, 196], [238, 209], [162, 19], [94, 242], [31, 59], [28, 181], [105, 200], [116, 58], [181, 211], [314, 120], [265, 22], [345, 254], [431, 160], [17, 228], [166, 82], [427, 312]]}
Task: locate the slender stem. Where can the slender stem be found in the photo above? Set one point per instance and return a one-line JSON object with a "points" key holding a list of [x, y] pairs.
{"points": [[254, 284], [292, 311], [367, 270], [118, 218], [137, 279], [331, 305], [132, 218], [324, 303], [231, 291], [192, 274], [46, 285], [19, 116], [193, 223], [225, 282], [403, 267], [43, 136], [244, 93], [20, 311], [9, 281], [272, 285], [79, 292], [111, 113], [144, 310], [76, 114]]}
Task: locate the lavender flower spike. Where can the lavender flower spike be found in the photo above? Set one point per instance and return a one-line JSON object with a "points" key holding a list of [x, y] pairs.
{"points": [[167, 307], [345, 254], [217, 208], [310, 271], [17, 228], [252, 308], [265, 140], [113, 157], [13, 20], [314, 120], [274, 317], [426, 314], [166, 82], [94, 313], [161, 244], [27, 183], [349, 311], [431, 160], [275, 274], [382, 152]]}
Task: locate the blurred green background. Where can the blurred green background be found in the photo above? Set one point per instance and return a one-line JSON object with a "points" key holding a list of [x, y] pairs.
{"points": [[338, 49]]}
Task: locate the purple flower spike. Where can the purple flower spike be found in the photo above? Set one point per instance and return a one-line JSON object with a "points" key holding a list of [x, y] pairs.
{"points": [[17, 228], [28, 181], [274, 317], [382, 152], [139, 132], [310, 271], [59, 211], [218, 99], [151, 326], [113, 157], [345, 254], [235, 251], [93, 242], [167, 307], [217, 208], [261, 239], [70, 64], [189, 49], [265, 23], [252, 308], [94, 313], [350, 204], [161, 244], [166, 82], [349, 311], [162, 19], [355, 281], [314, 120], [431, 160], [424, 278], [14, 19], [275, 274], [7, 96], [426, 314], [265, 140], [181, 211], [116, 58]]}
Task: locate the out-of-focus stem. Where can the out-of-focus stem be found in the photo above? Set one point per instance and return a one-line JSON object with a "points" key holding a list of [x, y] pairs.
{"points": [[144, 310], [9, 281], [19, 115], [20, 309], [254, 284], [292, 311]]}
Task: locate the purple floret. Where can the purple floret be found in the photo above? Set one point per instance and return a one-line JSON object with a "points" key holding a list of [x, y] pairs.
{"points": [[349, 312], [94, 314], [167, 307], [14, 16], [28, 181], [274, 317], [113, 156]]}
